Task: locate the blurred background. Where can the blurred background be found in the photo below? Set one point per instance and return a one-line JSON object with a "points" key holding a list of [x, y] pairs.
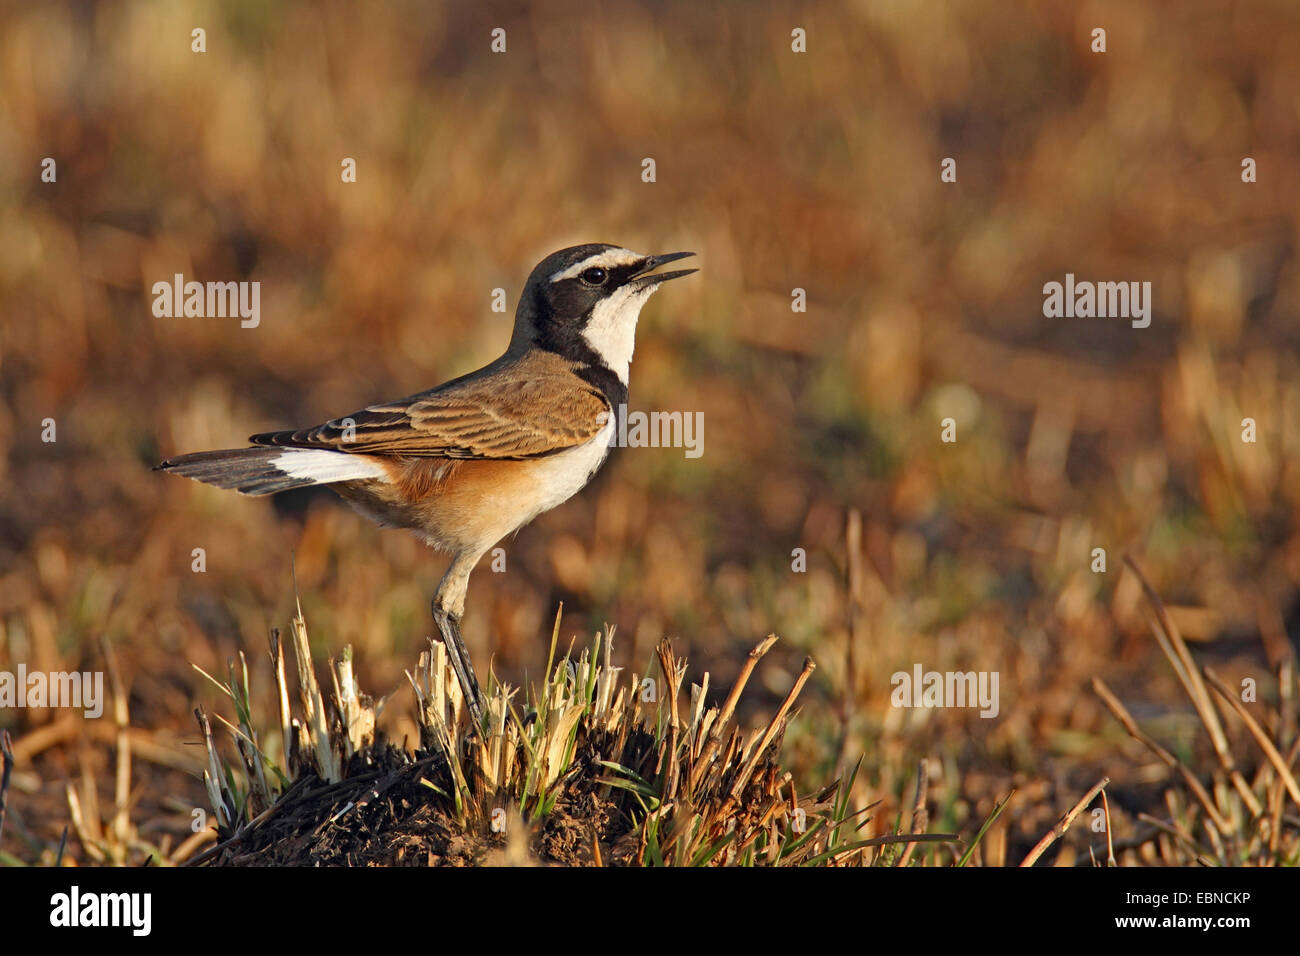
{"points": [[782, 170]]}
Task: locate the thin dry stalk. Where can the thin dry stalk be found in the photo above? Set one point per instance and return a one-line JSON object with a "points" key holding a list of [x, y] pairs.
{"points": [[1124, 717], [313, 704], [777, 721], [1178, 833], [192, 844], [213, 779], [1175, 650], [920, 817], [1110, 842], [358, 712], [80, 824], [1261, 738], [282, 695], [120, 828], [853, 584], [673, 675], [1064, 823], [717, 726], [41, 739], [746, 670], [7, 756]]}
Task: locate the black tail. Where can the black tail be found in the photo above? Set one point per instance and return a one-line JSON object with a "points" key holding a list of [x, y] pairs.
{"points": [[250, 471]]}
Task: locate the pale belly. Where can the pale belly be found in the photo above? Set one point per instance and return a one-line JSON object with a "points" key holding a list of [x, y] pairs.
{"points": [[477, 502], [562, 476]]}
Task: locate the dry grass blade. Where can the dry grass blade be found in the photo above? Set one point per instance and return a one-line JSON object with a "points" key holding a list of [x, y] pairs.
{"points": [[213, 777], [121, 825], [1175, 831], [747, 669], [920, 818], [357, 711], [1175, 650], [773, 726], [724, 715], [313, 704], [82, 826], [1124, 717], [191, 845], [7, 756], [853, 574], [276, 650], [673, 675], [1064, 823], [1110, 842], [1265, 744]]}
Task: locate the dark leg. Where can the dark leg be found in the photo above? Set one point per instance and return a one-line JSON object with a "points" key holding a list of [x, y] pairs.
{"points": [[449, 626]]}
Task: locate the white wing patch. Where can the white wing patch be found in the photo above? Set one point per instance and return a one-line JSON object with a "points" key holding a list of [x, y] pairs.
{"points": [[324, 466]]}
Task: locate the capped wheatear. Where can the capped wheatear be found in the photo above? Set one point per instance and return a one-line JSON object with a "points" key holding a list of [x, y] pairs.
{"points": [[467, 463]]}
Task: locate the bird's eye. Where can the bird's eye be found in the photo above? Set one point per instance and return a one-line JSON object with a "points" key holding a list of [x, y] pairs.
{"points": [[594, 276]]}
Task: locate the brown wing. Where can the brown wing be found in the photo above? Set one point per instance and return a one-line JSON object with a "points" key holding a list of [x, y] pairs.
{"points": [[515, 412]]}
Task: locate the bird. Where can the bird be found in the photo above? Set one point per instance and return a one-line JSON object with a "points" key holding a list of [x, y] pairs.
{"points": [[469, 462]]}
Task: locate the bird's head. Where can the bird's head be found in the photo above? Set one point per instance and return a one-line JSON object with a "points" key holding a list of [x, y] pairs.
{"points": [[586, 299]]}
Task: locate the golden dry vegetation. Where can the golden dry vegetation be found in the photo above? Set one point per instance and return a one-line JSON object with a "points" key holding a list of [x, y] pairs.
{"points": [[817, 171]]}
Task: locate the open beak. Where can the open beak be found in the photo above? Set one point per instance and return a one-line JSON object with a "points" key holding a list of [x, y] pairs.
{"points": [[643, 277]]}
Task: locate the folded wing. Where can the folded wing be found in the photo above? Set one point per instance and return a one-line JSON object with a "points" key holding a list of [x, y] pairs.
{"points": [[536, 414]]}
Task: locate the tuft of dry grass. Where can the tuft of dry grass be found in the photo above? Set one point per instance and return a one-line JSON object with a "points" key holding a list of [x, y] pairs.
{"points": [[1237, 819], [924, 302], [589, 768]]}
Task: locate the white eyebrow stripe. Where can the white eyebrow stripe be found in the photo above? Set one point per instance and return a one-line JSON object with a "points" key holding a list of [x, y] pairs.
{"points": [[609, 259]]}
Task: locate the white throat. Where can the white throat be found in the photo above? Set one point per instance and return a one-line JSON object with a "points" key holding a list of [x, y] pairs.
{"points": [[611, 332]]}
